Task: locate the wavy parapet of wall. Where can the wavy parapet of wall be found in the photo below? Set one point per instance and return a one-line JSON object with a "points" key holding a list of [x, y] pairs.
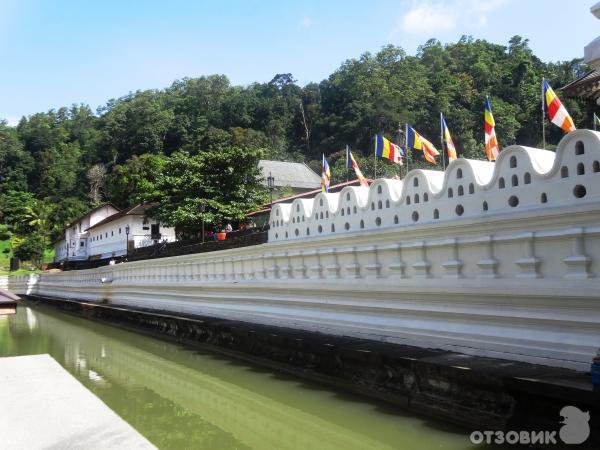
{"points": [[523, 179]]}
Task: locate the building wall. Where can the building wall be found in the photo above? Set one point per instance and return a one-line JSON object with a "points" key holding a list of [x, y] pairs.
{"points": [[110, 239], [76, 236]]}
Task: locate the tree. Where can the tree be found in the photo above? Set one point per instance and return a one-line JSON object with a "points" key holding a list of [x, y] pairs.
{"points": [[96, 176], [15, 208], [31, 248], [227, 182], [136, 124], [134, 181], [15, 162]]}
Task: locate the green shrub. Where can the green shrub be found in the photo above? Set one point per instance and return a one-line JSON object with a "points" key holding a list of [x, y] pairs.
{"points": [[31, 249]]}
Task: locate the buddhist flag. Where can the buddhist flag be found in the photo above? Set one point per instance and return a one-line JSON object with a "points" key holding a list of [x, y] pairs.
{"points": [[449, 143], [491, 143], [388, 150], [325, 176], [557, 113], [351, 163], [418, 142]]}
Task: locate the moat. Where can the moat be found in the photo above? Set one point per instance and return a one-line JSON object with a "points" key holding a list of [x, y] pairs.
{"points": [[181, 397]]}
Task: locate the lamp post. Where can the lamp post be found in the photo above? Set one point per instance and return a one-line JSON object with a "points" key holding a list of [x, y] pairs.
{"points": [[271, 186], [127, 243], [202, 210]]}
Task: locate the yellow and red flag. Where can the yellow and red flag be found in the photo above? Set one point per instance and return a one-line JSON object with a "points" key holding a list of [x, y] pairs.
{"points": [[418, 142], [325, 176], [386, 149], [450, 148], [557, 112], [491, 142], [351, 164]]}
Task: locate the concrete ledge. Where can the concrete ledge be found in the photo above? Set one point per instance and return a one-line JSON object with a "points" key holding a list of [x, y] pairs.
{"points": [[45, 407], [475, 392]]}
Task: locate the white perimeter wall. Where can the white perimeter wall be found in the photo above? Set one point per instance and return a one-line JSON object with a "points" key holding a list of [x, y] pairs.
{"points": [[519, 288], [520, 283]]}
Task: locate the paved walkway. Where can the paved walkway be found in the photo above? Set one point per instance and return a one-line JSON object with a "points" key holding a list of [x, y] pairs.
{"points": [[43, 406]]}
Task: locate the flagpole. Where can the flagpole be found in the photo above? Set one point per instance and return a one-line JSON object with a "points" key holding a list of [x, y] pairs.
{"points": [[442, 139], [347, 160], [375, 158], [322, 172], [543, 117], [406, 147]]}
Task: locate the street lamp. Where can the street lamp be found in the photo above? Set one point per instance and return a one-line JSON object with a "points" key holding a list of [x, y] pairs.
{"points": [[202, 210], [127, 246], [271, 186]]}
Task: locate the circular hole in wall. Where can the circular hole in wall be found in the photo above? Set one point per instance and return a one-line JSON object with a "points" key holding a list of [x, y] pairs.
{"points": [[579, 191]]}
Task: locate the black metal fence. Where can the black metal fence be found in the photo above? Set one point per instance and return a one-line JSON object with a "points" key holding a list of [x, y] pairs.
{"points": [[234, 239]]}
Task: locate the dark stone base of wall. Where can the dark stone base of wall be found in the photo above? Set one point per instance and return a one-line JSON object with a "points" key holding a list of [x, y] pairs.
{"points": [[477, 393]]}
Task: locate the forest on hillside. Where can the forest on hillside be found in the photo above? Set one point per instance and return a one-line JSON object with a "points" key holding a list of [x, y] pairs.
{"points": [[198, 140]]}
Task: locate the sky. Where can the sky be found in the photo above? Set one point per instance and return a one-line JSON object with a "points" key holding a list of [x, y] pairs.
{"points": [[61, 52]]}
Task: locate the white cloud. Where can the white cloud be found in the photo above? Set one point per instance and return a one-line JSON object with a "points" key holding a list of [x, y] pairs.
{"points": [[13, 121], [425, 17], [305, 23], [430, 16]]}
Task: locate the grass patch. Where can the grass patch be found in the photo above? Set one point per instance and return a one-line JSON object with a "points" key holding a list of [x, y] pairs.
{"points": [[5, 257], [19, 272]]}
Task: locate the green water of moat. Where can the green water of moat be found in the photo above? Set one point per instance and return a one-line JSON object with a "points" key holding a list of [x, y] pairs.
{"points": [[180, 397]]}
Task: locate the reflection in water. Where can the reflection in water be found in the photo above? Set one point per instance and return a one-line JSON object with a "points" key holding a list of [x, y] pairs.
{"points": [[183, 398], [31, 319]]}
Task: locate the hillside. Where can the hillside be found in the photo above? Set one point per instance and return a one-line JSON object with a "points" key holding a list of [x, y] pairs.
{"points": [[197, 141]]}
